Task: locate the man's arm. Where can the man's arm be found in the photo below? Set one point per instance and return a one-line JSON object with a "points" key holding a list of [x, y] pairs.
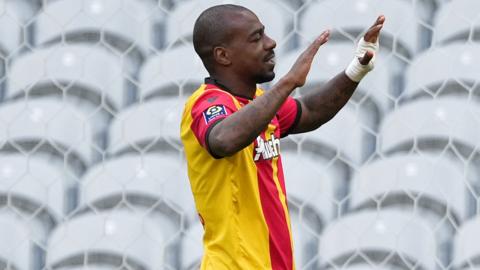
{"points": [[321, 105], [241, 128]]}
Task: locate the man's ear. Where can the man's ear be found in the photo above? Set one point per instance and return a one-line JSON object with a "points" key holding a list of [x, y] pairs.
{"points": [[221, 56]]}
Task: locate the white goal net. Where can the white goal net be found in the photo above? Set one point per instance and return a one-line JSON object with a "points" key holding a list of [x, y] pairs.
{"points": [[92, 171]]}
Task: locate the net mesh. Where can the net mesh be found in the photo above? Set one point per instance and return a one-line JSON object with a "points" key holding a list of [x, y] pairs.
{"points": [[92, 171]]}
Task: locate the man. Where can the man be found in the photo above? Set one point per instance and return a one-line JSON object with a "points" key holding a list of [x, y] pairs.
{"points": [[231, 130]]}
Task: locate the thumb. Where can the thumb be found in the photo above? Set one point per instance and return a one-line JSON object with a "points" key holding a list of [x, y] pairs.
{"points": [[366, 58]]}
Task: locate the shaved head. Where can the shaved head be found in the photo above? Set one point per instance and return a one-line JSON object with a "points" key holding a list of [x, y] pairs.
{"points": [[212, 29]]}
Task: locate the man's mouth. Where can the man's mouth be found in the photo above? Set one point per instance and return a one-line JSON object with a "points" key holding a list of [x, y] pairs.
{"points": [[270, 58]]}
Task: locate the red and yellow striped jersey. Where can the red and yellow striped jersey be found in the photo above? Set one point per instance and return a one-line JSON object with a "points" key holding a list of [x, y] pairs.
{"points": [[241, 199]]}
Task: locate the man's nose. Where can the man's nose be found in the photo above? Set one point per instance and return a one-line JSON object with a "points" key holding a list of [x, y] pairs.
{"points": [[270, 44]]}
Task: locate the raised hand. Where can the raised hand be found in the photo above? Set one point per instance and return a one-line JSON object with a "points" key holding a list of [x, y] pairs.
{"points": [[299, 71], [371, 36]]}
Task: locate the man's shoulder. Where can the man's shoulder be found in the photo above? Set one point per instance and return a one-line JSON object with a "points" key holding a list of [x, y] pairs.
{"points": [[206, 90], [212, 95]]}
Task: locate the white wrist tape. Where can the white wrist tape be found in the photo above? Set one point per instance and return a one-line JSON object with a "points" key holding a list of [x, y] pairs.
{"points": [[356, 71]]}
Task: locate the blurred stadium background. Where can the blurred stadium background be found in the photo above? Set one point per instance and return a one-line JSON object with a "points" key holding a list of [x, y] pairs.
{"points": [[92, 174]]}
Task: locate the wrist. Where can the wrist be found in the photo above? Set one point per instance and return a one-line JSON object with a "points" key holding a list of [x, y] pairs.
{"points": [[356, 71], [287, 83]]}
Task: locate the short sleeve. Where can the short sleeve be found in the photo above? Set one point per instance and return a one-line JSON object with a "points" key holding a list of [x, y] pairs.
{"points": [[207, 111], [289, 115]]}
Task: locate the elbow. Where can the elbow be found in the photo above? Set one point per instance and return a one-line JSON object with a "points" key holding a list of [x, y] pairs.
{"points": [[322, 117], [225, 142], [227, 151], [220, 147]]}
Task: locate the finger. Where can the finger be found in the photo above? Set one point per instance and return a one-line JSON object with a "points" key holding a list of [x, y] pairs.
{"points": [[366, 58], [373, 33], [323, 38], [319, 41], [380, 20]]}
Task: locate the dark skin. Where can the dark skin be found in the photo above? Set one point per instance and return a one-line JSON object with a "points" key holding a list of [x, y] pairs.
{"points": [[247, 60]]}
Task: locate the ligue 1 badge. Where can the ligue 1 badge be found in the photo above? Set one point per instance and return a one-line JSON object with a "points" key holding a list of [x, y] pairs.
{"points": [[214, 112]]}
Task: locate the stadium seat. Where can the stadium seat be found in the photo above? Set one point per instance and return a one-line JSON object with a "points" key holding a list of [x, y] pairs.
{"points": [[88, 77], [433, 184], [305, 237], [89, 267], [350, 20], [293, 4], [457, 21], [428, 186], [16, 246], [313, 183], [432, 125], [83, 71], [274, 16], [368, 266], [107, 239], [16, 31], [352, 147], [147, 127], [290, 4], [176, 71], [155, 184], [35, 191], [314, 186], [126, 26], [15, 20], [35, 188], [192, 247], [452, 71], [388, 236], [47, 126], [467, 250]]}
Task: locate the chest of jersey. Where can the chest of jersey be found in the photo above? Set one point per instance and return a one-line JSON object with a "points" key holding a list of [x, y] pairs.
{"points": [[267, 144]]}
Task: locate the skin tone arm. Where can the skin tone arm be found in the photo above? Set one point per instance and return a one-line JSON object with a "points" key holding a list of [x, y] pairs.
{"points": [[241, 128], [319, 106]]}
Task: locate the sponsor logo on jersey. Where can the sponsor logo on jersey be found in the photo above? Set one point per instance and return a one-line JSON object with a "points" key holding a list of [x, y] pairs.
{"points": [[267, 149], [214, 112]]}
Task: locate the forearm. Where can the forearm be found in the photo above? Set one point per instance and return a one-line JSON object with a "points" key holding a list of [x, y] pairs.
{"points": [[325, 102], [241, 128]]}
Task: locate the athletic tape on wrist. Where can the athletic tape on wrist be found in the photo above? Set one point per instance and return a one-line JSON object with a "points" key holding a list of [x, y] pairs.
{"points": [[356, 71]]}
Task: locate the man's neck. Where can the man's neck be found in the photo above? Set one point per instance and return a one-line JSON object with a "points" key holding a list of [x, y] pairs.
{"points": [[235, 86]]}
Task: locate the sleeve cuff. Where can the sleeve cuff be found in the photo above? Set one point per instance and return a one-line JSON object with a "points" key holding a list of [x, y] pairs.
{"points": [[207, 144], [296, 121]]}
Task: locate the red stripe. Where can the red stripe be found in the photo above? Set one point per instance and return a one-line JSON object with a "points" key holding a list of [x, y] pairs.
{"points": [[279, 234]]}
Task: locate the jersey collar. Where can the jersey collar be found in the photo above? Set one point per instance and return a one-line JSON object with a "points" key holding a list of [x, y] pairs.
{"points": [[213, 81]]}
